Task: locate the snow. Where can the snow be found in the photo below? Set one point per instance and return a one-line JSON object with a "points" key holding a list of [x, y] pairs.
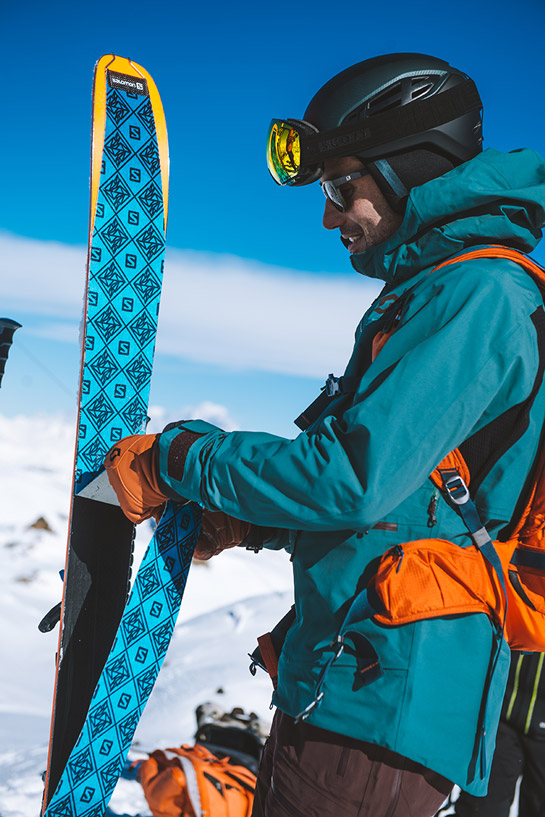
{"points": [[228, 602]]}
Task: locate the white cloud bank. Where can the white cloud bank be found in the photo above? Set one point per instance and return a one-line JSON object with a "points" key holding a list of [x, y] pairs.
{"points": [[207, 410], [215, 309]]}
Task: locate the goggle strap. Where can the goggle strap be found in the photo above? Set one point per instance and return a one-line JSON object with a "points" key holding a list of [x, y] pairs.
{"points": [[419, 116], [391, 177]]}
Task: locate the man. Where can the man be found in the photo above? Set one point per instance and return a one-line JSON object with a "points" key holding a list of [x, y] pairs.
{"points": [[385, 726]]}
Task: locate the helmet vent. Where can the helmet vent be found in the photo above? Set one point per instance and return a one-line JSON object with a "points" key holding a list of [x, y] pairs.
{"points": [[394, 96], [390, 98], [422, 90]]}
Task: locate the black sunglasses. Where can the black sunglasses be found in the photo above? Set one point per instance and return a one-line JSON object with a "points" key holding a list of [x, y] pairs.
{"points": [[332, 187]]}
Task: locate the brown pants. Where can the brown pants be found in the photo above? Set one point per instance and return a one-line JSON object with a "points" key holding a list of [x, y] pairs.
{"points": [[309, 772]]}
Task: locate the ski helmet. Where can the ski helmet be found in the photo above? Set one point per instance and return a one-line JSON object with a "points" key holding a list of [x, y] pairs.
{"points": [[408, 117]]}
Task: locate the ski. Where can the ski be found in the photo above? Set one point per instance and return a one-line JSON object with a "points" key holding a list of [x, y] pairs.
{"points": [[124, 686], [128, 214]]}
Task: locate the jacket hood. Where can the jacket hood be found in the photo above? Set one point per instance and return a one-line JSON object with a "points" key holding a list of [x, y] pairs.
{"points": [[495, 198]]}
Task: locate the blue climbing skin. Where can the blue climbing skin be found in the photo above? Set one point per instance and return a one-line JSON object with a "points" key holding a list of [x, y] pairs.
{"points": [[125, 274]]}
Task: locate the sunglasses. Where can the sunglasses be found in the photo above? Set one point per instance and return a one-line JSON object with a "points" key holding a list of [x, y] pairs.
{"points": [[332, 188]]}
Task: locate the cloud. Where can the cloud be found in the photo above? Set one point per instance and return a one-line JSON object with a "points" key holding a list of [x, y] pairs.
{"points": [[41, 277], [37, 442], [215, 309], [207, 410]]}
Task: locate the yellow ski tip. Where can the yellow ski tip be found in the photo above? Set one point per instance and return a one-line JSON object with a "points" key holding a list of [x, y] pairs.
{"points": [[118, 71]]}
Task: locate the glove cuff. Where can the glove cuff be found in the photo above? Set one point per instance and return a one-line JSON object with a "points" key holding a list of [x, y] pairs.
{"points": [[177, 454]]}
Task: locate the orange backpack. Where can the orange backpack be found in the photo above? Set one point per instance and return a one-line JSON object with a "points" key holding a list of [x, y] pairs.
{"points": [[504, 579], [431, 578], [192, 782]]}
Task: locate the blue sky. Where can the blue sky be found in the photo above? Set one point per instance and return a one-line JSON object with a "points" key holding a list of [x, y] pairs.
{"points": [[223, 70]]}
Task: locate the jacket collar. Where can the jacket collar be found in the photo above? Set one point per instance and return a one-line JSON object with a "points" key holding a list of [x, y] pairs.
{"points": [[495, 198]]}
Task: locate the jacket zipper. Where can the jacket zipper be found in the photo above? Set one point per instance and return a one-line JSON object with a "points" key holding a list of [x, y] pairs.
{"points": [[432, 507]]}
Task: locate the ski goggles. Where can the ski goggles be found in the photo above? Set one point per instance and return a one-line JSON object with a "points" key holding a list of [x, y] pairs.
{"points": [[287, 140], [296, 152], [332, 188]]}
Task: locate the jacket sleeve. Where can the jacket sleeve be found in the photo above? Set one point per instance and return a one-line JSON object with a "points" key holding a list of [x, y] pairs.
{"points": [[455, 365]]}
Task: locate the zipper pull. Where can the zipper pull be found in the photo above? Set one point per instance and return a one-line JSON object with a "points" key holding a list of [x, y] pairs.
{"points": [[432, 507]]}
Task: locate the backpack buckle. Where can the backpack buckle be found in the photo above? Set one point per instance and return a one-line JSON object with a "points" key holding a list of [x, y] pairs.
{"points": [[332, 385], [457, 489]]}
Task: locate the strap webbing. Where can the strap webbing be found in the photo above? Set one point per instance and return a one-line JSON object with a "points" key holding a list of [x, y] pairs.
{"points": [[528, 558], [457, 496], [334, 387], [421, 115], [499, 251], [192, 785]]}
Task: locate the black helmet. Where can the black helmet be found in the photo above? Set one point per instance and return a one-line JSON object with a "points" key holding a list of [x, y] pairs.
{"points": [[408, 117]]}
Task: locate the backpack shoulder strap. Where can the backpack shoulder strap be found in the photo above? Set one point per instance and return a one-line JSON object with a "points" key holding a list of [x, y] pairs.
{"points": [[455, 459], [499, 251]]}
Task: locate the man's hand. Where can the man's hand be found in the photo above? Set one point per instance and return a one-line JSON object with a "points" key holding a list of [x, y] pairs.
{"points": [[131, 470], [219, 532]]}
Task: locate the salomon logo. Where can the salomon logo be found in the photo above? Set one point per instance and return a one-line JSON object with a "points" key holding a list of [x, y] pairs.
{"points": [[125, 82], [344, 139]]}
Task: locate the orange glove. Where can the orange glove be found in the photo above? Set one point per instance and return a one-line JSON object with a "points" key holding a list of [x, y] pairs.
{"points": [[131, 470], [219, 532]]}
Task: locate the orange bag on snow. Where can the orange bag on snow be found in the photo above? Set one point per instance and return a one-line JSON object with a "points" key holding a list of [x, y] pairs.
{"points": [[506, 580], [192, 782]]}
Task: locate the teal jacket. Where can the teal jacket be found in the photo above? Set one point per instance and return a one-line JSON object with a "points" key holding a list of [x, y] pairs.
{"points": [[463, 362]]}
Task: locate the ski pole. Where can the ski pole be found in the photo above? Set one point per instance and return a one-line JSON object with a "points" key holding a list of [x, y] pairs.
{"points": [[7, 328]]}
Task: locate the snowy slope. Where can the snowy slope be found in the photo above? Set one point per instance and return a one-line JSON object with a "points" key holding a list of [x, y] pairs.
{"points": [[228, 602]]}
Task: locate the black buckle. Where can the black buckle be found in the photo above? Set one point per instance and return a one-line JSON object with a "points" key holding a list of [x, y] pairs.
{"points": [[333, 385]]}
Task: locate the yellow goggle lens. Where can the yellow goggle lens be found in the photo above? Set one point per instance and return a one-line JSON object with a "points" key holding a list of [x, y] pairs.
{"points": [[283, 152]]}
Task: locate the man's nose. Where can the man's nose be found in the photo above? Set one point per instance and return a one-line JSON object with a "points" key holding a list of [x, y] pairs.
{"points": [[333, 218]]}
